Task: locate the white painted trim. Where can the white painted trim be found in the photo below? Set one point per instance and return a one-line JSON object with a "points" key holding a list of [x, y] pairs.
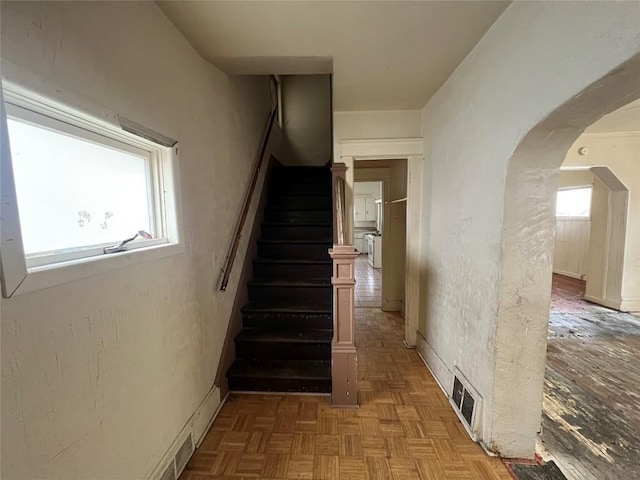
{"points": [[603, 302], [57, 274], [568, 274], [190, 428], [424, 350], [630, 305], [412, 260], [433, 362], [392, 305], [19, 279], [211, 404], [410, 149], [381, 148], [630, 133], [12, 260]]}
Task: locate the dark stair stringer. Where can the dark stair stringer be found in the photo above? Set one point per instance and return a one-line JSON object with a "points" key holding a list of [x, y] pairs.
{"points": [[287, 325]]}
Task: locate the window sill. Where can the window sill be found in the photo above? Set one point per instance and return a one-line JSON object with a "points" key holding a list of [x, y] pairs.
{"points": [[39, 278]]}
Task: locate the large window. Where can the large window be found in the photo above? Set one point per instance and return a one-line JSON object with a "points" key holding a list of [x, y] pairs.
{"points": [[574, 202], [83, 189]]}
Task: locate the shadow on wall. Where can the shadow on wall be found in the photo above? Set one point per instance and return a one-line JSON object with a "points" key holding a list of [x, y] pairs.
{"points": [[306, 117]]}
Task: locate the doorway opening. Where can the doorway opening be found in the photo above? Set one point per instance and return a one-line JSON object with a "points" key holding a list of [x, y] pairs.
{"points": [[380, 194], [368, 223], [591, 388]]}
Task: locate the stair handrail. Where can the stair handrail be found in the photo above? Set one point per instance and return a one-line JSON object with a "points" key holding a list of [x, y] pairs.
{"points": [[339, 199], [228, 266]]}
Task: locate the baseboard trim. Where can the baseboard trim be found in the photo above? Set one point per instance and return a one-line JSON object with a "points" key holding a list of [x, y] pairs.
{"points": [[197, 426], [603, 302], [569, 274], [632, 305], [426, 353]]}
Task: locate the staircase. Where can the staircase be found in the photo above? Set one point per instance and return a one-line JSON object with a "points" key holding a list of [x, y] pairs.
{"points": [[285, 342]]}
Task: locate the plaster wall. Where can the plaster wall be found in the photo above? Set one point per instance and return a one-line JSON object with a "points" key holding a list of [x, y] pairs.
{"points": [[306, 117], [487, 242], [621, 153], [100, 375]]}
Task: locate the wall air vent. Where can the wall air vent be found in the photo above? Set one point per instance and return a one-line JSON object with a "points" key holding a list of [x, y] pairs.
{"points": [[178, 460], [467, 404], [169, 473], [184, 454]]}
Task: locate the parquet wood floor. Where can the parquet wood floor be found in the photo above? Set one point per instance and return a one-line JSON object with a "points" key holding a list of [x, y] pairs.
{"points": [[403, 430]]}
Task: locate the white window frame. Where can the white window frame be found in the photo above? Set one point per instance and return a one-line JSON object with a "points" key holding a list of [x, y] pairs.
{"points": [[575, 217], [23, 274]]}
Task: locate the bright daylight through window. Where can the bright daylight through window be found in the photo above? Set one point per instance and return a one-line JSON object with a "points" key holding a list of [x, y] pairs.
{"points": [[574, 202], [79, 191]]}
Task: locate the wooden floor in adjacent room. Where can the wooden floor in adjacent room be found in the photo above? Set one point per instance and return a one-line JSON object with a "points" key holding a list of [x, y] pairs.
{"points": [[591, 423], [404, 428]]}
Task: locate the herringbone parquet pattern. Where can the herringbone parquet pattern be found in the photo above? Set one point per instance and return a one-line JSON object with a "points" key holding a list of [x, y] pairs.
{"points": [[404, 428]]}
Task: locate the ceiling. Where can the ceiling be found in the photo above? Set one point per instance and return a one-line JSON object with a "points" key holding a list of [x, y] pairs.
{"points": [[625, 119], [389, 55]]}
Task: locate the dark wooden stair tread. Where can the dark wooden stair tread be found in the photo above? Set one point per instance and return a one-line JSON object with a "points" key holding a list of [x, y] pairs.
{"points": [[278, 282], [294, 261], [307, 242], [280, 307], [296, 208], [298, 224], [289, 369], [284, 336]]}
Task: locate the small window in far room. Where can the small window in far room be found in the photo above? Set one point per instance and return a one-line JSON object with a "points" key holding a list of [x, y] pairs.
{"points": [[574, 202]]}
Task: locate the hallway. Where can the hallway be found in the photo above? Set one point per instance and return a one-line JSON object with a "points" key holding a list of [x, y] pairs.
{"points": [[368, 291], [590, 420], [404, 428]]}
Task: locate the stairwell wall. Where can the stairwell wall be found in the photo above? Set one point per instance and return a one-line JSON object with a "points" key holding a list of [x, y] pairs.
{"points": [[306, 118], [100, 375]]}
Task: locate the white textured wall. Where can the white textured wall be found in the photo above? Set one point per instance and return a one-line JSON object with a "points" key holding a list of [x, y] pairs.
{"points": [[571, 251], [306, 117], [487, 253], [99, 375], [621, 153]]}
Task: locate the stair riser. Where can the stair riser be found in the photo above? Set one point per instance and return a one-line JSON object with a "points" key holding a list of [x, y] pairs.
{"points": [[291, 270], [313, 295], [279, 385], [283, 350], [287, 321], [305, 188], [300, 202], [297, 232], [319, 251], [301, 175], [299, 216]]}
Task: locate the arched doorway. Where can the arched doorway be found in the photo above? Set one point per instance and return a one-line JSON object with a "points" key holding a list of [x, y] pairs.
{"points": [[527, 248]]}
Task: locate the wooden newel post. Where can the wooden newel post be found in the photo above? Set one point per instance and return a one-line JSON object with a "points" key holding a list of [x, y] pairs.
{"points": [[344, 359]]}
